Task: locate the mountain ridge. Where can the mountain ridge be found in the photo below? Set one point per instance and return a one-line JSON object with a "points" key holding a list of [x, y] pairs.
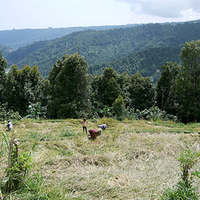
{"points": [[17, 38], [106, 46]]}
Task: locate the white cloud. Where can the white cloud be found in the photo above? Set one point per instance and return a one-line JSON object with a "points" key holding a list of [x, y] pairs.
{"points": [[164, 8], [68, 13]]}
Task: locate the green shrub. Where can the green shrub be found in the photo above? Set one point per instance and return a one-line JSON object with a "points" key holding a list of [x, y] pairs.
{"points": [[180, 192], [66, 133], [17, 171], [36, 111], [119, 108], [6, 113], [153, 113], [184, 189], [18, 166]]}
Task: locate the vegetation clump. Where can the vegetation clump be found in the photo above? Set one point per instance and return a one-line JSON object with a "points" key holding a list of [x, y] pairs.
{"points": [[184, 188]]}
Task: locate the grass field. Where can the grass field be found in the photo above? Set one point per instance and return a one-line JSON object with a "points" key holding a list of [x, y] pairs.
{"points": [[129, 160]]}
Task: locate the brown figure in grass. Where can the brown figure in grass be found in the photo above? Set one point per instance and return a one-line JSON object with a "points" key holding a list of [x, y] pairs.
{"points": [[84, 123], [94, 133]]}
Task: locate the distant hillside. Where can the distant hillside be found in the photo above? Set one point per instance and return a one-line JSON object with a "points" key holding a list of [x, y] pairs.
{"points": [[5, 50], [147, 62], [100, 47], [17, 38]]}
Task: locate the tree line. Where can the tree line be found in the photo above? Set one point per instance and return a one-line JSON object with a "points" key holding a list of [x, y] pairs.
{"points": [[71, 92]]}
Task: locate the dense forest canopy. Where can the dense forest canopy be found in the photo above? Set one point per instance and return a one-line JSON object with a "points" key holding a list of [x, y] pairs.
{"points": [[5, 50], [17, 38], [142, 49], [71, 92]]}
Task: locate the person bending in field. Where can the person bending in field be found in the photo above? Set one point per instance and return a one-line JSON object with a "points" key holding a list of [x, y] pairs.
{"points": [[84, 123], [9, 126], [102, 126], [94, 133]]}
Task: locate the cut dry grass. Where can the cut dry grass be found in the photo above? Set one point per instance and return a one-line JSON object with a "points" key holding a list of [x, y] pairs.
{"points": [[145, 153]]}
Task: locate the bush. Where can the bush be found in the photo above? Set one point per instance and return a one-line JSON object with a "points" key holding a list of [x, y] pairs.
{"points": [[119, 108], [36, 111], [18, 166], [184, 190], [180, 191], [153, 113], [6, 113]]}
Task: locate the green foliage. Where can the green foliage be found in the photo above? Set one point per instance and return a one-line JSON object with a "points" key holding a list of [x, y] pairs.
{"points": [[101, 47], [187, 162], [184, 189], [105, 111], [178, 87], [180, 192], [5, 50], [66, 133], [18, 170], [6, 113], [119, 108], [35, 188], [124, 81], [153, 113], [65, 152], [24, 87], [142, 92], [188, 83], [18, 167], [166, 88], [19, 38], [108, 87], [4, 145], [70, 93], [6, 141], [3, 66], [36, 111], [147, 62], [34, 182], [69, 88]]}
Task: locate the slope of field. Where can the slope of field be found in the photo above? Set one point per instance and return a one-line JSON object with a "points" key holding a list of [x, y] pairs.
{"points": [[129, 160]]}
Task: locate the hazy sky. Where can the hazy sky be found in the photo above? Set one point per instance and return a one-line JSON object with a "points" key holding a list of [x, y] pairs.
{"points": [[21, 14]]}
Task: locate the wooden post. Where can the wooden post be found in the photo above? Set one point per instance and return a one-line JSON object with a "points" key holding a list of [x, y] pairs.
{"points": [[12, 141], [10, 152]]}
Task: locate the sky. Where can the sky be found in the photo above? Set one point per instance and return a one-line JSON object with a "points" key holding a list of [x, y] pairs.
{"points": [[33, 14]]}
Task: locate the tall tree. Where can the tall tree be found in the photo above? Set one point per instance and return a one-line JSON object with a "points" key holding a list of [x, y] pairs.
{"points": [[142, 92], [69, 87], [109, 88], [119, 108], [124, 81], [188, 83], [166, 88], [95, 96], [3, 66], [24, 87]]}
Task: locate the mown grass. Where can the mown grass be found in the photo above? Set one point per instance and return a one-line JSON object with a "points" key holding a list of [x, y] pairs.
{"points": [[144, 152]]}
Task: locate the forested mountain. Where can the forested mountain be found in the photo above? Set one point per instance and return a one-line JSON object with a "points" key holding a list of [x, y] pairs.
{"points": [[149, 45], [5, 50], [70, 92], [147, 62], [17, 38]]}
